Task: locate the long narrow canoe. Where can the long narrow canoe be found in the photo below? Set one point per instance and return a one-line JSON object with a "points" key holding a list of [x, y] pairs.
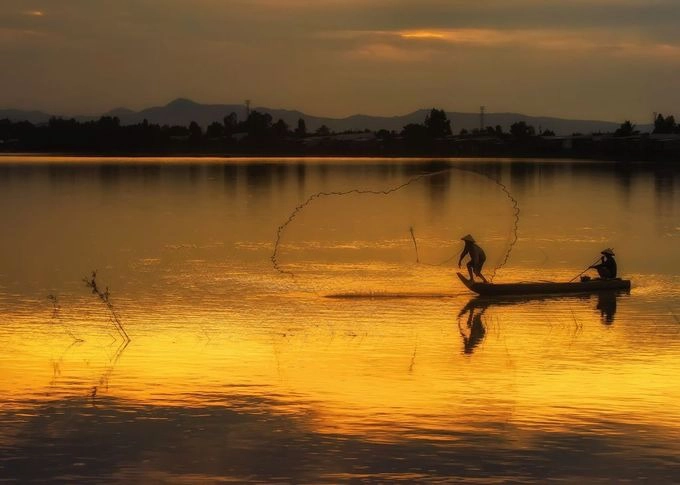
{"points": [[544, 288]]}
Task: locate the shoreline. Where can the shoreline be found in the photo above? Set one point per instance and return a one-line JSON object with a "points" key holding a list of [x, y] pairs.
{"points": [[46, 158]]}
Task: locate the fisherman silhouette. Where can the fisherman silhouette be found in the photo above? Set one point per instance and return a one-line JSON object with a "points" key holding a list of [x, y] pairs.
{"points": [[607, 266], [477, 258]]}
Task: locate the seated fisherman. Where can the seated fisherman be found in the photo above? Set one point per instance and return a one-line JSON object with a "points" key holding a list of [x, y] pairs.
{"points": [[607, 266]]}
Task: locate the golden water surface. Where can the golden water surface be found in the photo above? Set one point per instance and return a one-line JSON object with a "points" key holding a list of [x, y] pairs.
{"points": [[356, 353]]}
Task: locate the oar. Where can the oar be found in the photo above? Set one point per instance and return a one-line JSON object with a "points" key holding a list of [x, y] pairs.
{"points": [[589, 266]]}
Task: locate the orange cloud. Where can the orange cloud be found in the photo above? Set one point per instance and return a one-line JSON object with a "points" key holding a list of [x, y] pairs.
{"points": [[560, 40], [497, 37], [423, 35], [423, 44]]}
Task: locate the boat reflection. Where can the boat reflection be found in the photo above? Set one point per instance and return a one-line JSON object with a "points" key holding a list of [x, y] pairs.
{"points": [[473, 329]]}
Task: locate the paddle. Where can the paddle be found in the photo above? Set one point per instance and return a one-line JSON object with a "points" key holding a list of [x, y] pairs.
{"points": [[589, 266]]}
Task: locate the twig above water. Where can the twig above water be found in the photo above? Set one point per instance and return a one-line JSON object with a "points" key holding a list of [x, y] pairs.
{"points": [[104, 297]]}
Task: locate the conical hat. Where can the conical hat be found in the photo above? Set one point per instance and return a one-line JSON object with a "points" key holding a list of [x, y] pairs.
{"points": [[608, 251], [468, 238]]}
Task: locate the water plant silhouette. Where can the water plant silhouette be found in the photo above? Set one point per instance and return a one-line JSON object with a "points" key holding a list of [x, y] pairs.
{"points": [[106, 376], [56, 316], [104, 297]]}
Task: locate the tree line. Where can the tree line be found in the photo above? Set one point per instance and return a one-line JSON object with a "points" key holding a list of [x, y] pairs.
{"points": [[259, 133], [107, 134]]}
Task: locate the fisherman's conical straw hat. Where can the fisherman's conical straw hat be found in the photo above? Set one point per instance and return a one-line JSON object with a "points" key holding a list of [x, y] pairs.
{"points": [[608, 251]]}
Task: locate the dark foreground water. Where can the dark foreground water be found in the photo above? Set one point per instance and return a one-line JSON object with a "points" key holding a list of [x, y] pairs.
{"points": [[239, 369]]}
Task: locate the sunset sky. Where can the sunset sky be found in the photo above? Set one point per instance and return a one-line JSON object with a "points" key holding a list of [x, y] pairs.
{"points": [[598, 59]]}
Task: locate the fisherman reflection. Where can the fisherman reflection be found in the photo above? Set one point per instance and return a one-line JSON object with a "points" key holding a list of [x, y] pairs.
{"points": [[474, 331], [606, 303]]}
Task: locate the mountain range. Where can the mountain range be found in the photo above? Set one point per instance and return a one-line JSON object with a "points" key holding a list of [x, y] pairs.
{"points": [[183, 111]]}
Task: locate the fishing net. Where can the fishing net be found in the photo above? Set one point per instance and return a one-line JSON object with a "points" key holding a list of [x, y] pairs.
{"points": [[398, 224]]}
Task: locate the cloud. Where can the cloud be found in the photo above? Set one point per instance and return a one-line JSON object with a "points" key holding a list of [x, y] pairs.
{"points": [[388, 52], [330, 56], [600, 41]]}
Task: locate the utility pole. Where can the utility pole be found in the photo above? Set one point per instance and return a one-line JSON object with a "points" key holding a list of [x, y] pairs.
{"points": [[247, 108]]}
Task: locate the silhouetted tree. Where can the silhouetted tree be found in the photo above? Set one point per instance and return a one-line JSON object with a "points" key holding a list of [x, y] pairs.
{"points": [[280, 128], [230, 123], [301, 129], [323, 131], [108, 122], [521, 129], [385, 134], [437, 123], [176, 131], [215, 130], [626, 129], [548, 133], [415, 133], [664, 125], [258, 124], [195, 134]]}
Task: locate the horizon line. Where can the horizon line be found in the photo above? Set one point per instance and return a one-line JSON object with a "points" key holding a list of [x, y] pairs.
{"points": [[243, 105]]}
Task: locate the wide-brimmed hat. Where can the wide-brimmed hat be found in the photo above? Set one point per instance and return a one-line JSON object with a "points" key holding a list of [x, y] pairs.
{"points": [[468, 237], [608, 251]]}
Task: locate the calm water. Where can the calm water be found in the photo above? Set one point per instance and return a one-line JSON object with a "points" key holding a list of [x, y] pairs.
{"points": [[240, 370]]}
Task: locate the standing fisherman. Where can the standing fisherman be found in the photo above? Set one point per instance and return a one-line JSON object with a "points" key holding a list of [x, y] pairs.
{"points": [[477, 257]]}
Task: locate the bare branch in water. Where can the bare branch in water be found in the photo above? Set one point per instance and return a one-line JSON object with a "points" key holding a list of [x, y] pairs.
{"points": [[56, 315], [104, 297]]}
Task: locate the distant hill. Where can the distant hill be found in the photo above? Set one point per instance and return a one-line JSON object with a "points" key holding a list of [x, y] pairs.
{"points": [[178, 112], [34, 117], [183, 111]]}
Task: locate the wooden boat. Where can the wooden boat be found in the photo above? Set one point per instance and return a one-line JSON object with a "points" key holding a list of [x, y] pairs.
{"points": [[544, 288]]}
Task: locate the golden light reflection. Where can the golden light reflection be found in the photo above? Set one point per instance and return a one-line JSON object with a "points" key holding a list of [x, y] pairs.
{"points": [[214, 326], [384, 375]]}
